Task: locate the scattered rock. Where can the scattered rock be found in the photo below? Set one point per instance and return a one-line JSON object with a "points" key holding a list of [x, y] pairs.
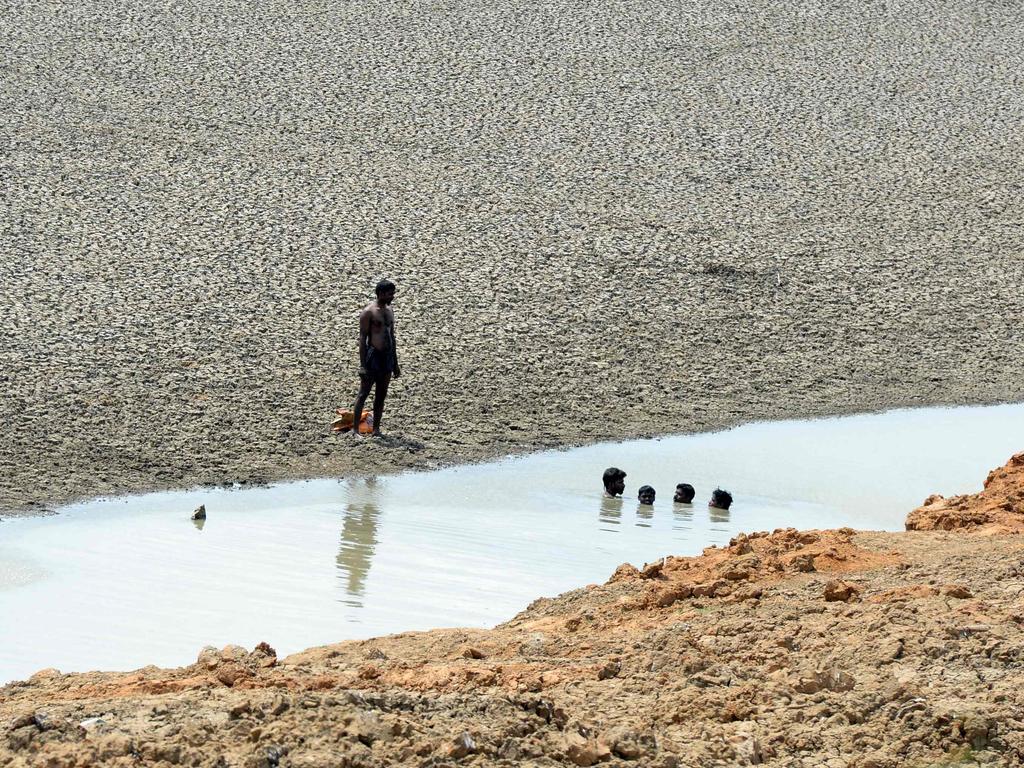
{"points": [[841, 591], [747, 593], [234, 653], [262, 656], [462, 745], [625, 572], [581, 750], [715, 589], [270, 756], [264, 649], [736, 574], [44, 721], [746, 749], [802, 563], [671, 593], [279, 705], [209, 658], [368, 728], [230, 673], [653, 570], [958, 591], [831, 679], [629, 744], [200, 513]]}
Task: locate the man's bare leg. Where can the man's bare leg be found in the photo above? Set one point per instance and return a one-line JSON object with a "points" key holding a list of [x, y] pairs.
{"points": [[365, 382], [379, 395]]}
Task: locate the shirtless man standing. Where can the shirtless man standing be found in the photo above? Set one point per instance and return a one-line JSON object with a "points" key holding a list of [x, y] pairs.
{"points": [[378, 355]]}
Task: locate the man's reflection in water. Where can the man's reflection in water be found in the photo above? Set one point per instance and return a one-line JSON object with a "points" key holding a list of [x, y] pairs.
{"points": [[682, 517], [644, 512], [358, 538], [718, 515], [611, 511]]}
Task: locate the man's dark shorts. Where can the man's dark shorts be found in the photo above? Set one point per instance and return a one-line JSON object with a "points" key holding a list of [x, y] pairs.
{"points": [[379, 364]]}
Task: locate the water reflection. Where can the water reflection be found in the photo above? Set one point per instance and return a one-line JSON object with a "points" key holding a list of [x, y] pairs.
{"points": [[199, 524], [358, 540], [682, 516], [611, 511], [718, 515], [644, 512]]}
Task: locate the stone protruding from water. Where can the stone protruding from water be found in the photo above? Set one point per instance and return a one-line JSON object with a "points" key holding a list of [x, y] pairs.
{"points": [[200, 513]]}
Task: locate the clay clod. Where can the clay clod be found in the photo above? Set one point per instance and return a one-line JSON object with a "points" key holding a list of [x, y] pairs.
{"points": [[840, 591]]}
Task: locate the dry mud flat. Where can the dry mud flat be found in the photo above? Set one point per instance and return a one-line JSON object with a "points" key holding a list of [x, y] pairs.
{"points": [[606, 219], [815, 648]]}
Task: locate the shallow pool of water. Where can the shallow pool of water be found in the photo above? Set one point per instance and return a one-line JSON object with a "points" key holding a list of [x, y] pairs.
{"points": [[121, 583]]}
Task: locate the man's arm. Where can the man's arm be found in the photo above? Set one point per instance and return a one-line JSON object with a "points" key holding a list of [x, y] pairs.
{"points": [[364, 333], [394, 347]]}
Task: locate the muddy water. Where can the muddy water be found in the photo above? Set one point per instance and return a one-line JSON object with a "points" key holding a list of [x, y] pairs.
{"points": [[117, 584]]}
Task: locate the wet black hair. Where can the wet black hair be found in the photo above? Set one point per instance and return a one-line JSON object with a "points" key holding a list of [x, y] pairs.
{"points": [[721, 499], [687, 492], [644, 488], [383, 287], [611, 475]]}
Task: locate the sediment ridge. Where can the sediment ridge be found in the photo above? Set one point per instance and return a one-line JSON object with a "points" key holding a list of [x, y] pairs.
{"points": [[792, 648]]}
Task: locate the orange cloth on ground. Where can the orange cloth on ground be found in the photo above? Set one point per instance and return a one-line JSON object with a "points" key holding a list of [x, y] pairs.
{"points": [[345, 418]]}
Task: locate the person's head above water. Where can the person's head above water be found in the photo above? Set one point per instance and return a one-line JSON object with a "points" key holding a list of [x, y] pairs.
{"points": [[614, 480], [646, 494], [385, 291], [684, 493], [720, 499]]}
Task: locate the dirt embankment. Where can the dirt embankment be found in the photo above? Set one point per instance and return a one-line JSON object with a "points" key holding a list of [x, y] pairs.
{"points": [[814, 648], [998, 507]]}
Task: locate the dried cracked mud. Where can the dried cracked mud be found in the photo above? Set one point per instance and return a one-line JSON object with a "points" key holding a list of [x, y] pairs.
{"points": [[605, 220], [814, 648]]}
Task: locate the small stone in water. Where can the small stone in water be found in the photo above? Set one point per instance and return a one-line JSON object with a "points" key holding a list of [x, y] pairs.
{"points": [[200, 513]]}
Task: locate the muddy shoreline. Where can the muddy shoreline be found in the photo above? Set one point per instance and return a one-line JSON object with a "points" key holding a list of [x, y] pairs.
{"points": [[387, 460]]}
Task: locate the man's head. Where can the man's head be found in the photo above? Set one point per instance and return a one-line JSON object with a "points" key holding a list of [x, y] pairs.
{"points": [[684, 493], [720, 499], [646, 494], [385, 291], [614, 480]]}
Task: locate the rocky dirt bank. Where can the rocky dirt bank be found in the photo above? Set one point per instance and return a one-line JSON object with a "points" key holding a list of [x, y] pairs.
{"points": [[814, 648], [998, 507], [621, 218]]}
